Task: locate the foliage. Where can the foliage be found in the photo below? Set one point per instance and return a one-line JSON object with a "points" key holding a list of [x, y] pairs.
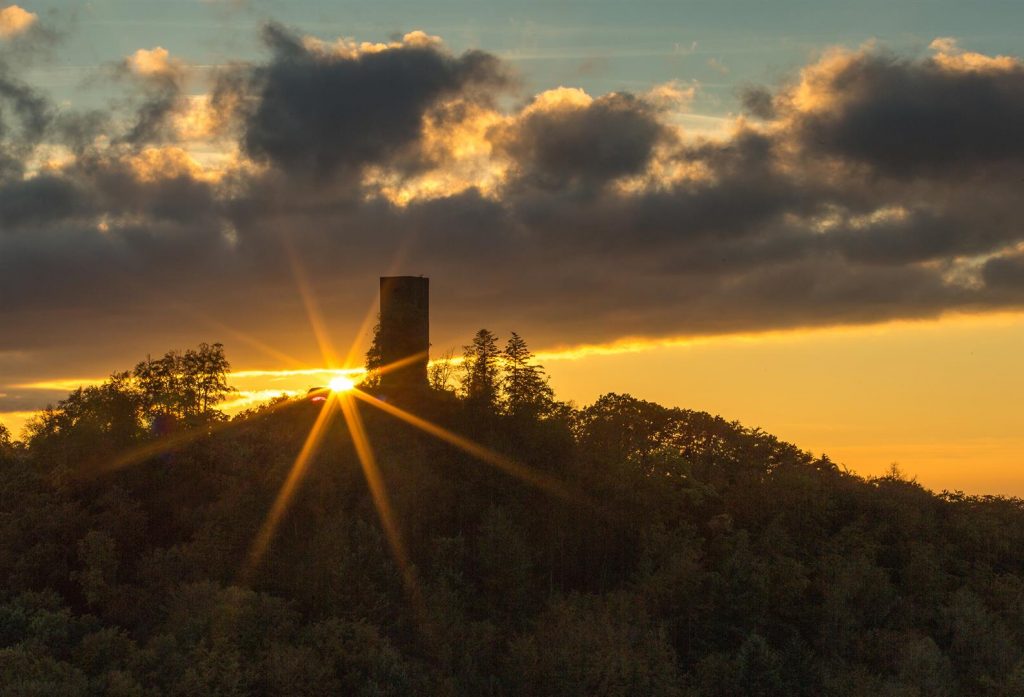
{"points": [[441, 371], [480, 379], [182, 386], [374, 360], [683, 555], [525, 386], [158, 397]]}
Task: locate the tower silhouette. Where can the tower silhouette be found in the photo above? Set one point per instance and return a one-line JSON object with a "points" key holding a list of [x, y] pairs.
{"points": [[404, 336]]}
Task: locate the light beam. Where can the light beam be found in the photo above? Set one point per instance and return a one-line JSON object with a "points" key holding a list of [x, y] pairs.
{"points": [[295, 474], [378, 492], [537, 479]]}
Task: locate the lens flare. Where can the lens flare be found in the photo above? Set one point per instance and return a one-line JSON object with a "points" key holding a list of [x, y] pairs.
{"points": [[341, 384], [309, 450], [530, 476]]}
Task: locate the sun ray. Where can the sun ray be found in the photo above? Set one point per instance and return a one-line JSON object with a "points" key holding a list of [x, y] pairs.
{"points": [[189, 311], [371, 312], [298, 372], [400, 363], [312, 307], [378, 492], [168, 443], [351, 358], [295, 475], [252, 341], [530, 476]]}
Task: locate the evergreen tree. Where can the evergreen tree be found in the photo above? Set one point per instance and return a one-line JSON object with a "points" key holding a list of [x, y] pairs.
{"points": [[525, 385], [691, 556], [480, 367], [374, 361]]}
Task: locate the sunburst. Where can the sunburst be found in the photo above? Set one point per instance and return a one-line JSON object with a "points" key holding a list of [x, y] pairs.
{"points": [[343, 396]]}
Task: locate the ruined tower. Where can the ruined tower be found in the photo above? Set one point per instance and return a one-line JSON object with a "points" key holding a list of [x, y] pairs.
{"points": [[404, 336]]}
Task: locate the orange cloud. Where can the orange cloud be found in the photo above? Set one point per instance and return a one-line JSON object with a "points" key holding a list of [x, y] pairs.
{"points": [[462, 154], [816, 89], [558, 99], [950, 56], [672, 95], [344, 47], [199, 119], [14, 20], [155, 163], [155, 62]]}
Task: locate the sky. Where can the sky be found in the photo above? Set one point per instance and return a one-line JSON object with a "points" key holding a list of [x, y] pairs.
{"points": [[805, 216]]}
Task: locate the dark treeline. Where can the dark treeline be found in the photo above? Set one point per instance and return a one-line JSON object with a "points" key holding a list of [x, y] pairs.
{"points": [[685, 554]]}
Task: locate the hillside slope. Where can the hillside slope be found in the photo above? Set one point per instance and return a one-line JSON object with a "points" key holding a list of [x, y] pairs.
{"points": [[658, 551]]}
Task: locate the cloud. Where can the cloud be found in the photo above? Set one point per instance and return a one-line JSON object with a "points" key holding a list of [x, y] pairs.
{"points": [[321, 110], [566, 139], [873, 186], [15, 20], [951, 56], [159, 79], [951, 114], [25, 116], [156, 62], [1005, 272], [758, 102]]}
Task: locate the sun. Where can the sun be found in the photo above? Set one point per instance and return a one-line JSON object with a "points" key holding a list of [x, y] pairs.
{"points": [[341, 384]]}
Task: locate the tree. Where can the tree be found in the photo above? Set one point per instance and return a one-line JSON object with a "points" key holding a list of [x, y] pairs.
{"points": [[374, 360], [440, 373], [94, 421], [183, 386], [480, 367], [525, 385], [89, 422], [205, 372], [682, 554]]}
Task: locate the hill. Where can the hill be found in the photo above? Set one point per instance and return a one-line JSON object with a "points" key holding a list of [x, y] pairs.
{"points": [[536, 548]]}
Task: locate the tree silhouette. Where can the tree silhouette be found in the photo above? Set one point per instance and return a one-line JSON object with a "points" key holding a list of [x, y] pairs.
{"points": [[158, 395], [692, 557], [481, 371], [525, 386], [183, 386], [374, 360], [440, 373]]}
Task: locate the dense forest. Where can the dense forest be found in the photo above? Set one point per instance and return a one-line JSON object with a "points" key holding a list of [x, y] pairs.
{"points": [[633, 549]]}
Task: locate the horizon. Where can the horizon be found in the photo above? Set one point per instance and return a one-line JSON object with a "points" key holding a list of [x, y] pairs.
{"points": [[805, 225]]}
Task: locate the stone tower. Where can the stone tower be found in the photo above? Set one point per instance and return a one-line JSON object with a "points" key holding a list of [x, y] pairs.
{"points": [[404, 335]]}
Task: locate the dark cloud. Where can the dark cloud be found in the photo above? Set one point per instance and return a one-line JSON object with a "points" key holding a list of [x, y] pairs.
{"points": [[321, 112], [835, 210], [1005, 272], [39, 201], [919, 117], [586, 146], [757, 101], [159, 80], [25, 115]]}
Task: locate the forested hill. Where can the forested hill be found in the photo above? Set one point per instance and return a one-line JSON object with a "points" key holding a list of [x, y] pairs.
{"points": [[636, 550]]}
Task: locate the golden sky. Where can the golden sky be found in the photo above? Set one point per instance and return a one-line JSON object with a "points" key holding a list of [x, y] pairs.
{"points": [[939, 398], [841, 229]]}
